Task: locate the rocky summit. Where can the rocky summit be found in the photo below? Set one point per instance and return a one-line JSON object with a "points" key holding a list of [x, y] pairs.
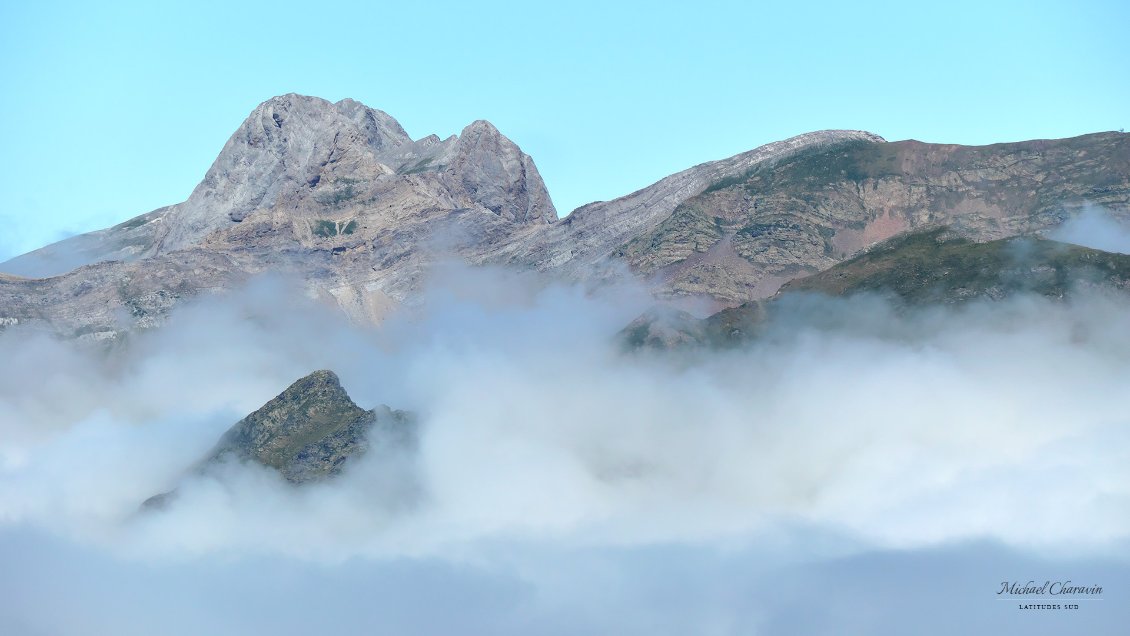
{"points": [[311, 429], [308, 433], [339, 196]]}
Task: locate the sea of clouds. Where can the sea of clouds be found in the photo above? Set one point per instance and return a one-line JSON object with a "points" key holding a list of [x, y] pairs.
{"points": [[859, 469]]}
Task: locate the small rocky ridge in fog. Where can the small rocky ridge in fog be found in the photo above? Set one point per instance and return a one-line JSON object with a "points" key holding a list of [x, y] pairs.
{"points": [[309, 432]]}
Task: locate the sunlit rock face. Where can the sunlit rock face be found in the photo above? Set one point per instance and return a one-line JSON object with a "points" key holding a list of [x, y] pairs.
{"points": [[338, 196]]}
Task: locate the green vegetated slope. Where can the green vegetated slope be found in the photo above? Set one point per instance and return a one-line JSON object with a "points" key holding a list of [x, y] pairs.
{"points": [[932, 267]]}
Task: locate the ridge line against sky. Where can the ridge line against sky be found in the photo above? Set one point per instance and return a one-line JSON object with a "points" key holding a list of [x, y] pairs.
{"points": [[117, 109]]}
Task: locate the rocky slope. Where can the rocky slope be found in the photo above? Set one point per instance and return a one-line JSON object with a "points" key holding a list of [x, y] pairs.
{"points": [[742, 238], [595, 234], [926, 268], [309, 432], [340, 197], [935, 267]]}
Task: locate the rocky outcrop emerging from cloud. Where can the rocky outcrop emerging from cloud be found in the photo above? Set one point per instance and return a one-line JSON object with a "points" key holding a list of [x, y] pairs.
{"points": [[308, 433], [310, 430]]}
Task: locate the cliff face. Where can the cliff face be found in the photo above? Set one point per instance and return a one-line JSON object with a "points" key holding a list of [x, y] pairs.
{"points": [[338, 195]]}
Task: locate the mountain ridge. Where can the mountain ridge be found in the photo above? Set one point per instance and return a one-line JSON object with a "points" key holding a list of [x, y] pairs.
{"points": [[339, 196]]}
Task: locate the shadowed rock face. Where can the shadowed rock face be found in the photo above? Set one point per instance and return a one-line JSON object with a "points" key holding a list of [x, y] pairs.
{"points": [[309, 432]]}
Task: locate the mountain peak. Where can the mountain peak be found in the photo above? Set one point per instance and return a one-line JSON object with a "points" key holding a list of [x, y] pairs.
{"points": [[283, 144], [480, 127], [504, 179], [290, 143], [283, 432], [361, 226]]}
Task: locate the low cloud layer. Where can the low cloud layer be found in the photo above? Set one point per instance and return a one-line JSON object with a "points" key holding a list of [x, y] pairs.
{"points": [[1096, 228], [563, 486]]}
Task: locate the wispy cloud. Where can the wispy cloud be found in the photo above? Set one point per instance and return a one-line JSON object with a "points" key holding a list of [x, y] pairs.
{"points": [[1096, 228]]}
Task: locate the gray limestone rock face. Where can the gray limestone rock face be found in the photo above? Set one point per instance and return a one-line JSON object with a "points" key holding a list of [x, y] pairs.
{"points": [[496, 174], [285, 145], [382, 133], [290, 144]]}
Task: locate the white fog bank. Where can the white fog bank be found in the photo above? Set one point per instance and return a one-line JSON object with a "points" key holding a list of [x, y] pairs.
{"points": [[981, 444]]}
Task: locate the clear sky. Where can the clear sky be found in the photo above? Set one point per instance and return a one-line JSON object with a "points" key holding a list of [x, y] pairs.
{"points": [[109, 110]]}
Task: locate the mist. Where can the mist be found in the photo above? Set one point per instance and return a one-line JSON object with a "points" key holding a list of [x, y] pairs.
{"points": [[1096, 228], [849, 472]]}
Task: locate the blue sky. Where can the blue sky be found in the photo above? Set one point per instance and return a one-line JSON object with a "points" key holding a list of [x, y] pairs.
{"points": [[112, 109]]}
